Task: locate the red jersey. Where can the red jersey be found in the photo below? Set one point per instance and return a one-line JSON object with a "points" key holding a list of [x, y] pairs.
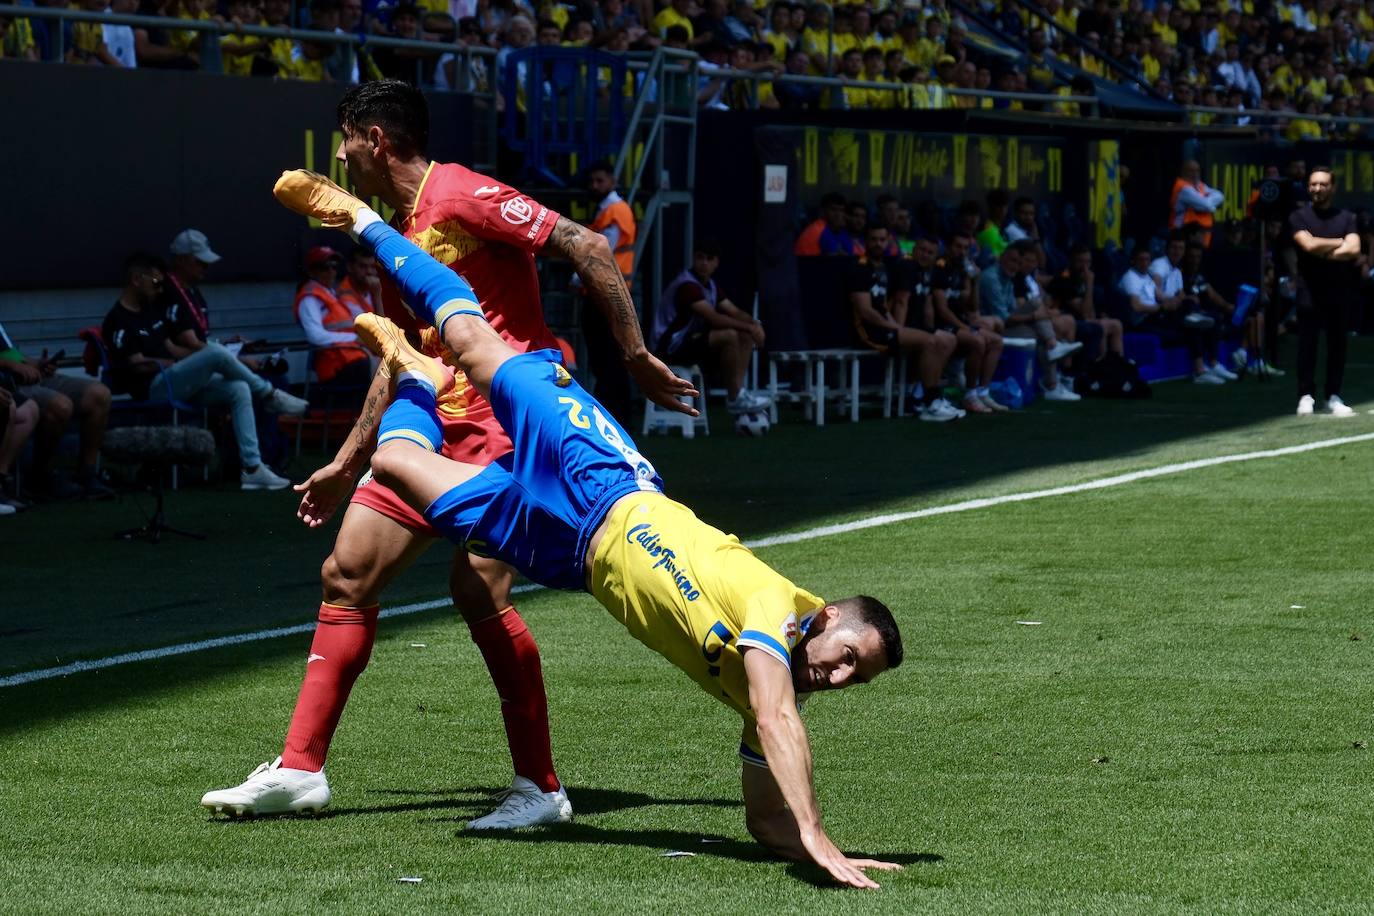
{"points": [[488, 233]]}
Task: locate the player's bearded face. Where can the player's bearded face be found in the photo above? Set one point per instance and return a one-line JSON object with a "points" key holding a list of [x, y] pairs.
{"points": [[832, 656]]}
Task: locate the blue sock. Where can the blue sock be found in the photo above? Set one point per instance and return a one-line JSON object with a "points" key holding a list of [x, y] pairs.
{"points": [[412, 417], [432, 291]]}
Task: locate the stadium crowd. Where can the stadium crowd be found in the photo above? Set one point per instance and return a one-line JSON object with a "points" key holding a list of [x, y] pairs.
{"points": [[1294, 59]]}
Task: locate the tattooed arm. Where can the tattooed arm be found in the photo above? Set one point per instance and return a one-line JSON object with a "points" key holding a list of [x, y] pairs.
{"points": [[591, 256], [327, 488]]}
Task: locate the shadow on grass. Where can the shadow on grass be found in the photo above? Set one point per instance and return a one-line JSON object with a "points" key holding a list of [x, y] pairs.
{"points": [[702, 844], [479, 799]]}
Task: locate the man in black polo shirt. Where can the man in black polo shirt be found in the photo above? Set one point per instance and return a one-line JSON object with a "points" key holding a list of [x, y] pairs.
{"points": [[148, 365], [1325, 247]]}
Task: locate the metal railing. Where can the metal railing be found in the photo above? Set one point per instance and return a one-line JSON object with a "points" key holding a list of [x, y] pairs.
{"points": [[1112, 63], [210, 28], [837, 85], [1268, 115]]}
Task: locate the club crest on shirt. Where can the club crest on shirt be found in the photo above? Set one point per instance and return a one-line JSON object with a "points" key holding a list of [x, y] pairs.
{"points": [[517, 211], [561, 378]]}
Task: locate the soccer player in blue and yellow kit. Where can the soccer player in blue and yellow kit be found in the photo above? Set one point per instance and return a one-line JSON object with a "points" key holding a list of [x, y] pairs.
{"points": [[576, 506]]}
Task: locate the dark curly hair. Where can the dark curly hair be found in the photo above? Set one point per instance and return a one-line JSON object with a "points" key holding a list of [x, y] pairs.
{"points": [[397, 108]]}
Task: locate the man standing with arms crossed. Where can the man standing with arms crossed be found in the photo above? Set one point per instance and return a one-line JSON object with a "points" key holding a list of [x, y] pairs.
{"points": [[489, 233], [1325, 247]]}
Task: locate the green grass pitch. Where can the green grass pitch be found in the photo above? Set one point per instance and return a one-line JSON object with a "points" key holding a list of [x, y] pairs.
{"points": [[1184, 731]]}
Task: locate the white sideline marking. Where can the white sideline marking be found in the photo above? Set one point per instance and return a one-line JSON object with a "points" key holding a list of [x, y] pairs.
{"points": [[42, 674]]}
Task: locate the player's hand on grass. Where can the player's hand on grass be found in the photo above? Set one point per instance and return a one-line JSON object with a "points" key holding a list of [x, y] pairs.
{"points": [[843, 869], [660, 385], [322, 493]]}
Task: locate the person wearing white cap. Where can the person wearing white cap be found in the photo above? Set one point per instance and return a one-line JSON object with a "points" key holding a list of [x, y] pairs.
{"points": [[188, 314]]}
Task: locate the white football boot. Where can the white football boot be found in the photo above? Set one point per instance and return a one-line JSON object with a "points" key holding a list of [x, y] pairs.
{"points": [[272, 789], [524, 805]]}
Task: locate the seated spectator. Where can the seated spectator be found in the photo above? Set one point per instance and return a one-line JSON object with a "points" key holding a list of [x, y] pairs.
{"points": [[852, 70], [19, 420], [119, 39], [149, 366], [188, 314], [841, 240], [901, 233], [879, 298], [1022, 225], [1199, 294], [280, 51], [695, 322], [58, 397], [1167, 269], [934, 283], [831, 217], [17, 43], [243, 55], [798, 95], [992, 241], [406, 64], [1153, 311], [780, 34], [676, 13], [327, 319], [87, 39], [1073, 292], [361, 287], [1004, 295]]}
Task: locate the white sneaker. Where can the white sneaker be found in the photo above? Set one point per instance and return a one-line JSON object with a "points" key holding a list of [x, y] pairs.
{"points": [[1240, 359], [1018, 343], [1207, 377], [1272, 370], [524, 805], [262, 479], [1305, 405], [1063, 349], [748, 402], [7, 509], [1222, 372], [272, 789], [939, 411], [1337, 407], [288, 405], [1060, 392], [993, 403]]}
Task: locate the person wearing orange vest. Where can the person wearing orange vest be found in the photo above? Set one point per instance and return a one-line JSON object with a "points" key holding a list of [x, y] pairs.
{"points": [[616, 221], [1192, 202], [328, 322], [361, 289]]}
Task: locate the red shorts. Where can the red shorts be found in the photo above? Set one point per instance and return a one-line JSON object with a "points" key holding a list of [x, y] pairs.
{"points": [[473, 438]]}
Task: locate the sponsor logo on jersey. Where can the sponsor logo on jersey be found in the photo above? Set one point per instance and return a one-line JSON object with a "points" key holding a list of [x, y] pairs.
{"points": [[400, 261], [517, 211], [665, 558]]}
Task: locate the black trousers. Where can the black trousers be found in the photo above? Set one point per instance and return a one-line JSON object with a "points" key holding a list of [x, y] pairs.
{"points": [[1331, 314], [606, 364], [1201, 342]]}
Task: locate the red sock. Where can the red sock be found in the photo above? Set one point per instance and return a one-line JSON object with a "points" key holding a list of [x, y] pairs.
{"points": [[512, 657], [338, 654]]}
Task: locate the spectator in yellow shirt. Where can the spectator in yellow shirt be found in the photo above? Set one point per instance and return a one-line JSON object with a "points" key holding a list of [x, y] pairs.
{"points": [[885, 30], [815, 40], [931, 45], [852, 68], [16, 40], [678, 12], [780, 36], [873, 73], [844, 30], [864, 37], [239, 51]]}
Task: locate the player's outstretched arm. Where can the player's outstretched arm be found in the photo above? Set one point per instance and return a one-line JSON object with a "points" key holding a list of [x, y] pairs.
{"points": [[788, 752], [591, 255], [328, 487]]}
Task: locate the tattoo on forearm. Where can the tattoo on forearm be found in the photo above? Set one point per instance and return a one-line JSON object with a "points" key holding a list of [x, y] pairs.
{"points": [[363, 429], [602, 278]]}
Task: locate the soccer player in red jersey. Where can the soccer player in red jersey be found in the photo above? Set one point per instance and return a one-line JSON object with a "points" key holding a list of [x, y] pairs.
{"points": [[488, 233]]}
